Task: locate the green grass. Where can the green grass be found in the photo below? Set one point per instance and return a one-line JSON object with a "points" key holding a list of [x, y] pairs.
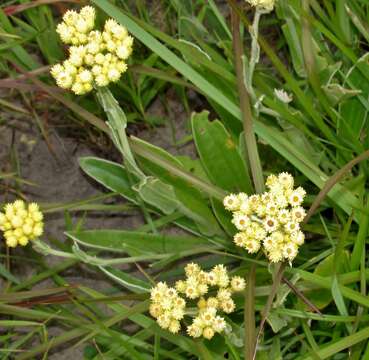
{"points": [[315, 51]]}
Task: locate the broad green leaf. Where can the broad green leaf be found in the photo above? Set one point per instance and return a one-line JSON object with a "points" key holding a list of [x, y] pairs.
{"points": [[194, 166], [136, 243], [112, 175], [276, 321], [159, 194], [224, 217], [192, 202], [219, 154]]}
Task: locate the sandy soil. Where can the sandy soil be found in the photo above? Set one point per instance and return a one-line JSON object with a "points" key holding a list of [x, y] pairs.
{"points": [[56, 178]]}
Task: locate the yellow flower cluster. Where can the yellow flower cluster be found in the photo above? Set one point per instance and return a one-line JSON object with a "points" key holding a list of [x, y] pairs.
{"points": [[21, 223], [271, 220], [169, 308], [95, 57], [208, 322], [267, 5]]}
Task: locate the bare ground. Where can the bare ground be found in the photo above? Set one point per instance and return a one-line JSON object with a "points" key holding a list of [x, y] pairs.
{"points": [[53, 171]]}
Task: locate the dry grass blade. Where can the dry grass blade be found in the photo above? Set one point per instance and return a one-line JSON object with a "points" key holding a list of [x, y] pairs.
{"points": [[332, 181], [91, 118], [301, 296], [13, 9]]}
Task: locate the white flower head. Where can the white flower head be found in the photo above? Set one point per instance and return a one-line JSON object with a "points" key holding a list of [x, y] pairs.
{"points": [[275, 255], [267, 5], [252, 246], [238, 283], [240, 220], [219, 324], [284, 216], [270, 224], [286, 180], [64, 80], [240, 239], [298, 213], [283, 96], [268, 243], [194, 331], [290, 251], [292, 227], [297, 196], [298, 238], [231, 202]]}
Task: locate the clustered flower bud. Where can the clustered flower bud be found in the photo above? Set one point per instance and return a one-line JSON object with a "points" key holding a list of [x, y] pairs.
{"points": [[95, 57], [267, 5], [270, 220], [21, 223], [169, 308]]}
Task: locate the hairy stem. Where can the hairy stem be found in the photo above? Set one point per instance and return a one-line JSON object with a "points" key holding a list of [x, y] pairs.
{"points": [[245, 106], [249, 314], [276, 282], [256, 172]]}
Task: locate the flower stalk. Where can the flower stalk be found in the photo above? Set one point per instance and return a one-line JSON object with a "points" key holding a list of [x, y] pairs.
{"points": [[256, 171], [245, 106]]}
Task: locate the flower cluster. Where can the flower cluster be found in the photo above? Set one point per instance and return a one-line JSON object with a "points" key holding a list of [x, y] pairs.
{"points": [[21, 223], [267, 5], [168, 307], [271, 220], [95, 57]]}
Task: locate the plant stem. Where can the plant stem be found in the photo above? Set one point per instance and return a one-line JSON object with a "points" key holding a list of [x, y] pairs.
{"points": [[245, 106], [249, 314], [276, 282], [255, 52], [257, 175]]}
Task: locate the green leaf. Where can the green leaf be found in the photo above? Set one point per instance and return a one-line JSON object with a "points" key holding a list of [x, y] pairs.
{"points": [[223, 216], [292, 32], [323, 298], [21, 323], [219, 154], [125, 279], [167, 168], [136, 243], [354, 111], [276, 321], [8, 275], [117, 122], [334, 347], [112, 175], [159, 194]]}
